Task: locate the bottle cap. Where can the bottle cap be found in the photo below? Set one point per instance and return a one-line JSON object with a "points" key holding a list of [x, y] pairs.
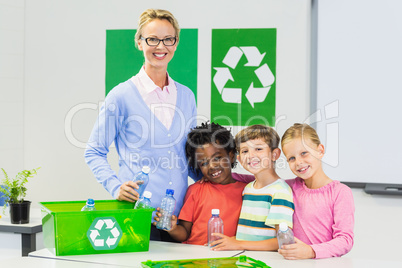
{"points": [[146, 169], [283, 226], [215, 211], [147, 194], [170, 191], [90, 201]]}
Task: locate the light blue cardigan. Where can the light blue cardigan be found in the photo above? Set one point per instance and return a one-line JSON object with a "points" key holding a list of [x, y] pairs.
{"points": [[141, 139]]}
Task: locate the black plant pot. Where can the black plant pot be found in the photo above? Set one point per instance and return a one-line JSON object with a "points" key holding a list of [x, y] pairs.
{"points": [[19, 212]]}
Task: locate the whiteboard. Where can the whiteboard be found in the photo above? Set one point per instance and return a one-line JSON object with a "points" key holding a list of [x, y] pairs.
{"points": [[359, 89]]}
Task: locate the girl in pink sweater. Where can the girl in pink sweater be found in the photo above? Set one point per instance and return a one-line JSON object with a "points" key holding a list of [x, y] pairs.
{"points": [[324, 209]]}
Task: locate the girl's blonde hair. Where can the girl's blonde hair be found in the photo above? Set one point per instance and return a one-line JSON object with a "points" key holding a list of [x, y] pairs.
{"points": [[151, 14], [303, 131]]}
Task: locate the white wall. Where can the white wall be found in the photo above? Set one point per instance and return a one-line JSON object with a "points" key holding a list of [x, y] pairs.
{"points": [[377, 223], [11, 104], [64, 70], [12, 25], [53, 61]]}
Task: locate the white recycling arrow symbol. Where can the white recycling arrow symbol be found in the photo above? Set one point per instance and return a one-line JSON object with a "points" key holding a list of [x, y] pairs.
{"points": [[254, 59], [94, 234], [109, 223], [253, 56], [111, 241], [221, 77], [232, 57]]}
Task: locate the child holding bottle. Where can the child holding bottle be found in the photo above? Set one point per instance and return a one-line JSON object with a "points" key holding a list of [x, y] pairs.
{"points": [[267, 201], [324, 209], [210, 150]]}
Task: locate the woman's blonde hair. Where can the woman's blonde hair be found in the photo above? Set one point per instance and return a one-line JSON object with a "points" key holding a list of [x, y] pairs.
{"points": [[151, 14], [303, 131]]}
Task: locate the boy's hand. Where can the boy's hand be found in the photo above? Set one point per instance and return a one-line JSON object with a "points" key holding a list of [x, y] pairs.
{"points": [[225, 243], [173, 219], [296, 251]]}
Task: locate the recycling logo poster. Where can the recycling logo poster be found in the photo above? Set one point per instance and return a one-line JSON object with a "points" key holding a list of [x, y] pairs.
{"points": [[243, 83]]}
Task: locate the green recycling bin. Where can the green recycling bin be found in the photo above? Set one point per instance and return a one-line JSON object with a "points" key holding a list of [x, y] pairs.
{"points": [[114, 227]]}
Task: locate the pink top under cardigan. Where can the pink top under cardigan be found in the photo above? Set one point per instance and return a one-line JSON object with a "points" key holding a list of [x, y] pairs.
{"points": [[162, 102]]}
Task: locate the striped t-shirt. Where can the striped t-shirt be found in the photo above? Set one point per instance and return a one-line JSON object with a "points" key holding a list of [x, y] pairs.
{"points": [[263, 208]]}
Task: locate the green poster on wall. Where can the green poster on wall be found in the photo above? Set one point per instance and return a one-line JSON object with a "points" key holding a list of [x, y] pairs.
{"points": [[123, 59], [243, 76]]}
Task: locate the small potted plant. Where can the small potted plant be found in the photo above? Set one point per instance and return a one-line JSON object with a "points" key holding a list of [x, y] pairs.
{"points": [[14, 191]]}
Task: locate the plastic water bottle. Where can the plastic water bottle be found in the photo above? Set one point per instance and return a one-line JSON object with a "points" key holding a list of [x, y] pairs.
{"points": [[285, 235], [142, 179], [144, 202], [168, 205], [89, 206], [215, 225]]}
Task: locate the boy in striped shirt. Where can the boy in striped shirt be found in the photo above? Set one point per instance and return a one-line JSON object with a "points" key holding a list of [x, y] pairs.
{"points": [[267, 201]]}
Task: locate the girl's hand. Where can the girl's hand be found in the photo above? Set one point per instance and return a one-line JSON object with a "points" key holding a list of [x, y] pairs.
{"points": [[296, 251], [225, 243], [157, 218], [128, 192], [157, 215]]}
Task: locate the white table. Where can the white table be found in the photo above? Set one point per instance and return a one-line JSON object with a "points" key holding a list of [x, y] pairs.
{"points": [[28, 231], [174, 251], [274, 260], [157, 251], [48, 263]]}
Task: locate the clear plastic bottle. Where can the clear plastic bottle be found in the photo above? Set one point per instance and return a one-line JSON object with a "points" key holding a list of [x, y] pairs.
{"points": [[215, 225], [89, 206], [285, 235], [144, 202], [168, 205], [142, 179]]}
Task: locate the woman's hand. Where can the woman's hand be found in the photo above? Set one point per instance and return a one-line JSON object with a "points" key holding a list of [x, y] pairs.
{"points": [[296, 251], [225, 243], [128, 192]]}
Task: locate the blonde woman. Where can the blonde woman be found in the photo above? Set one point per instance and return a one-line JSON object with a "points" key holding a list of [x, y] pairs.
{"points": [[148, 118]]}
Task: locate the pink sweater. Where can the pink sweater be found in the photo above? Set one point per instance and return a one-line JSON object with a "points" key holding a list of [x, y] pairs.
{"points": [[324, 217]]}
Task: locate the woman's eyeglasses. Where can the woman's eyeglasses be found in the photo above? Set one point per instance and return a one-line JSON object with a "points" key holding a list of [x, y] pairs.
{"points": [[153, 42]]}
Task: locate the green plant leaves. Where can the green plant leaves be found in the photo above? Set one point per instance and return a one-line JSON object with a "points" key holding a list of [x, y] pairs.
{"points": [[14, 189]]}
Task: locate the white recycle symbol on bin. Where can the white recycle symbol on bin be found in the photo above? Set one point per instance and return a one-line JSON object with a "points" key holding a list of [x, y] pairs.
{"points": [[104, 233], [263, 72]]}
